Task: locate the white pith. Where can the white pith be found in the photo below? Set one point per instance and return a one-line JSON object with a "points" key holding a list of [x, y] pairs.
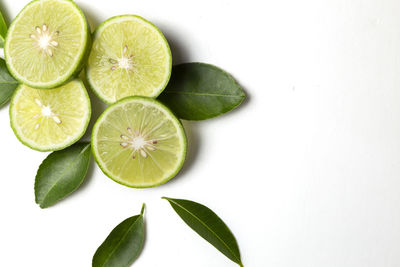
{"points": [[138, 142], [46, 112], [125, 62], [45, 40]]}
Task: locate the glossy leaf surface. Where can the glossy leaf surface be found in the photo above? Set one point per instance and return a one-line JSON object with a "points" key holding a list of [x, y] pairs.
{"points": [[198, 91], [61, 173], [123, 245], [7, 84], [3, 30], [208, 225]]}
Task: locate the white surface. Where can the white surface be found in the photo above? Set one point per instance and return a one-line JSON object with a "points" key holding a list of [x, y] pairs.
{"points": [[305, 173]]}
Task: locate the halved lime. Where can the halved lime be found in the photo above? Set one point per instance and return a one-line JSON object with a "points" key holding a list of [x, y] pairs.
{"points": [[49, 120], [138, 142], [46, 43], [129, 57]]}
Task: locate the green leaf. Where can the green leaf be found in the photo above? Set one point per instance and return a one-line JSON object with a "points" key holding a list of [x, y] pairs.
{"points": [[7, 83], [198, 91], [3, 30], [123, 245], [208, 225], [61, 173]]}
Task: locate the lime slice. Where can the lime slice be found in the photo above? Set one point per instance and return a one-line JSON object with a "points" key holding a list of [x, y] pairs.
{"points": [[130, 56], [138, 142], [46, 43], [49, 120]]}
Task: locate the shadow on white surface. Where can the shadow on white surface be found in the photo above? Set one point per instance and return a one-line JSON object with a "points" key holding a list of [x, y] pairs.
{"points": [[179, 53], [90, 16]]}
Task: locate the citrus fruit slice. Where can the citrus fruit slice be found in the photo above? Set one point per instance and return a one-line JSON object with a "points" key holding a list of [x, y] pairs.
{"points": [[138, 142], [129, 57], [49, 120], [46, 43]]}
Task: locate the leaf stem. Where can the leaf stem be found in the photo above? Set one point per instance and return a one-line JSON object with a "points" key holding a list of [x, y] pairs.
{"points": [[143, 208]]}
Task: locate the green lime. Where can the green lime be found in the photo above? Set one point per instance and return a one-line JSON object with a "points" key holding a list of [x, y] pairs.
{"points": [[138, 142], [49, 120], [46, 43], [129, 57]]}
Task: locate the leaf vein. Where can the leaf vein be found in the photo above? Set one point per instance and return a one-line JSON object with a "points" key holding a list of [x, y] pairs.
{"points": [[120, 241], [11, 82], [64, 172], [203, 94], [205, 225]]}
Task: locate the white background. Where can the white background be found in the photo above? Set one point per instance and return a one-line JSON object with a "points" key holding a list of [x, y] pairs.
{"points": [[305, 173]]}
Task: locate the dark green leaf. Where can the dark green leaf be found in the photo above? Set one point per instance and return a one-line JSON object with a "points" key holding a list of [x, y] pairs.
{"points": [[7, 83], [208, 225], [123, 245], [3, 30], [198, 91], [61, 173]]}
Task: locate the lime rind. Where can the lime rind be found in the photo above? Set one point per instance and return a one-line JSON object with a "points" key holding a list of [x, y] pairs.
{"points": [[56, 147], [97, 32], [75, 68], [173, 118]]}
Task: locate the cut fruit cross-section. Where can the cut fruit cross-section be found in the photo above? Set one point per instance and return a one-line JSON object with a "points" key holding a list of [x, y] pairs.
{"points": [[46, 43], [49, 120], [129, 57], [138, 142]]}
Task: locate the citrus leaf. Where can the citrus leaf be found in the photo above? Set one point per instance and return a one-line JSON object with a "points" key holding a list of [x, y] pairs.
{"points": [[3, 30], [208, 225], [7, 83], [123, 245], [199, 91], [61, 173]]}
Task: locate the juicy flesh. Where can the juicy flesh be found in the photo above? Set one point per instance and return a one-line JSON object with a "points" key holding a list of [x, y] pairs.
{"points": [[139, 144], [50, 117], [46, 41], [128, 58]]}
